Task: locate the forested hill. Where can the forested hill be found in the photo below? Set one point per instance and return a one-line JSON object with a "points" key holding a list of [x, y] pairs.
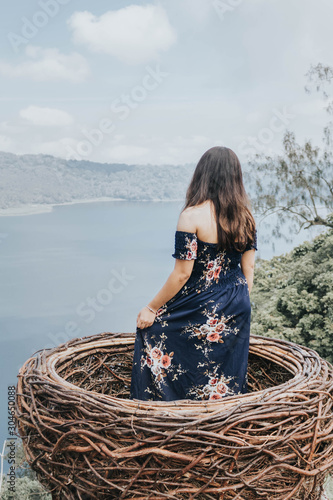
{"points": [[292, 296], [44, 179]]}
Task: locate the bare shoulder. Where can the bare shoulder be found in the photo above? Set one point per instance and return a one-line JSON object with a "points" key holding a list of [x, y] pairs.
{"points": [[198, 210], [193, 218], [187, 220]]}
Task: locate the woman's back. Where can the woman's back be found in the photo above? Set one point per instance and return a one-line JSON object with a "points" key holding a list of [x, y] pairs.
{"points": [[204, 216], [205, 220]]}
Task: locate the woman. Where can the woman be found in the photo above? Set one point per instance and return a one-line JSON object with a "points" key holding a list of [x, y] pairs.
{"points": [[192, 339]]}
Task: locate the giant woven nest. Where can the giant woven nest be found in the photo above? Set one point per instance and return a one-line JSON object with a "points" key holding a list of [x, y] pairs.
{"points": [[86, 439]]}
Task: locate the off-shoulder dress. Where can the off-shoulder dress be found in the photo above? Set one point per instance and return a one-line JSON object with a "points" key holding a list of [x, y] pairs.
{"points": [[197, 347]]}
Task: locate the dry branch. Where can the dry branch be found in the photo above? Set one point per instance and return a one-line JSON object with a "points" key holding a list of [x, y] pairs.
{"points": [[86, 439]]}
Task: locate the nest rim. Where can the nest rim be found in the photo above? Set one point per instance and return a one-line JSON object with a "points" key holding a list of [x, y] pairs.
{"points": [[257, 343]]}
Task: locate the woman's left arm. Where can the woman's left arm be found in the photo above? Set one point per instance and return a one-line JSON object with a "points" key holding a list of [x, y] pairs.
{"points": [[176, 280]]}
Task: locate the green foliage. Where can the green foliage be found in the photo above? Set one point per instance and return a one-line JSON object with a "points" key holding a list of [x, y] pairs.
{"points": [[25, 489], [26, 484], [292, 296]]}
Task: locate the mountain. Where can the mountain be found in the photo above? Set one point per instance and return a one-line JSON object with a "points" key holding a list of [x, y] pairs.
{"points": [[43, 179]]}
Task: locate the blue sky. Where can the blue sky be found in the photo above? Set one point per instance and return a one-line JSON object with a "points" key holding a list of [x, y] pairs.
{"points": [[161, 81]]}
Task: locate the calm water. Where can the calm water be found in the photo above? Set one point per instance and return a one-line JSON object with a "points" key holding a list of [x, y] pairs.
{"points": [[56, 269]]}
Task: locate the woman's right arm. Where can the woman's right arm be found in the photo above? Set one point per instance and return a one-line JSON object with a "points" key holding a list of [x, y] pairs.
{"points": [[247, 266]]}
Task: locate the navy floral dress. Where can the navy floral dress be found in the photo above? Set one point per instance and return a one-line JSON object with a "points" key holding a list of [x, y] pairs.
{"points": [[197, 347]]}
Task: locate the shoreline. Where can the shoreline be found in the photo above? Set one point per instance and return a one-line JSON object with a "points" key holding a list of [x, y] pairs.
{"points": [[41, 208]]}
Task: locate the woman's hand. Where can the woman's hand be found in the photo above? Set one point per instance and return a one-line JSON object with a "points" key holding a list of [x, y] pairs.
{"points": [[145, 318]]}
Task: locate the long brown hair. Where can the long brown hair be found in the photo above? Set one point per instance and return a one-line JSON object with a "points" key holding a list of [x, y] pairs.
{"points": [[218, 177]]}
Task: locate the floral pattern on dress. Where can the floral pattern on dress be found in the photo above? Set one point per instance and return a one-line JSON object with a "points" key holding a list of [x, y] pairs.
{"points": [[162, 314], [159, 362], [186, 245], [215, 388], [215, 329], [215, 267], [241, 281]]}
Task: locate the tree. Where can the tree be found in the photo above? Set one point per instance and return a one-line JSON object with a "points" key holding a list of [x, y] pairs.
{"points": [[298, 184], [292, 296]]}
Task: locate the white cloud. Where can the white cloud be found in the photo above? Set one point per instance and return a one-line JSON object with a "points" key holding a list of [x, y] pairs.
{"points": [[46, 117], [48, 64], [135, 34]]}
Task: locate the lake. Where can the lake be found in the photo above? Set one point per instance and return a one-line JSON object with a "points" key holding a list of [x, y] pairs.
{"points": [[83, 269]]}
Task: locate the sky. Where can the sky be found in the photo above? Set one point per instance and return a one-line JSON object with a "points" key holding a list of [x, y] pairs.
{"points": [[160, 82]]}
